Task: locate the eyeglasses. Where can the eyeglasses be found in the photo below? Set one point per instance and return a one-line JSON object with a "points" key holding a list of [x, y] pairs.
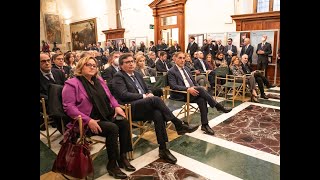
{"points": [[46, 61], [59, 59], [128, 62], [229, 41], [91, 65]]}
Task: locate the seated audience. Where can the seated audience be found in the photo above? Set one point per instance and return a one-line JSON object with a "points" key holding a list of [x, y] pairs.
{"points": [[58, 63], [108, 73], [151, 59], [220, 61], [211, 62], [130, 88], [87, 95], [236, 69], [203, 66], [259, 77], [201, 79], [163, 65], [49, 75], [180, 78], [144, 70]]}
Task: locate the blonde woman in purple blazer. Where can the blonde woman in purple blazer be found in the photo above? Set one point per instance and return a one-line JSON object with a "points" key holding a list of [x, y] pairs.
{"points": [[87, 94]]}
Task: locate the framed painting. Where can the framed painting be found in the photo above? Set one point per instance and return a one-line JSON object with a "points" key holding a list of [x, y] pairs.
{"points": [[83, 33], [53, 28]]}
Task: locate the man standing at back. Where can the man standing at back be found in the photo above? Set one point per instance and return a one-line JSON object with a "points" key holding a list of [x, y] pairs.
{"points": [[263, 51], [247, 49], [192, 46]]}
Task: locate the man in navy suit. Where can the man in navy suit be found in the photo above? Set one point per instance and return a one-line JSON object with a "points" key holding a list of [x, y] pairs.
{"points": [[162, 65], [129, 87], [263, 51], [247, 49], [181, 79], [109, 72]]}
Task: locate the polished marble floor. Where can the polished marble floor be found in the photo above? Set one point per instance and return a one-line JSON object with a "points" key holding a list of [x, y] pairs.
{"points": [[246, 146]]}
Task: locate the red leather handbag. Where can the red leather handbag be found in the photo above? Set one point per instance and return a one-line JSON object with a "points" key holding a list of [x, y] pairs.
{"points": [[74, 157]]}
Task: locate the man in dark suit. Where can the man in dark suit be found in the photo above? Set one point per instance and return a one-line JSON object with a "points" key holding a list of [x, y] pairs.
{"points": [[263, 51], [48, 76], [129, 87], [247, 49], [181, 79], [203, 66], [162, 65], [58, 63], [152, 47], [230, 50], [109, 72], [192, 46], [174, 48], [219, 47]]}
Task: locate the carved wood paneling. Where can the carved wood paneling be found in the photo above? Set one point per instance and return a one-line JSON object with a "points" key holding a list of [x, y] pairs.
{"points": [[114, 33]]}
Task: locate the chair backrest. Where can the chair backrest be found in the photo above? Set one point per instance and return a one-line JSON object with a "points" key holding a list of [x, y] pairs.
{"points": [[55, 107], [221, 71]]}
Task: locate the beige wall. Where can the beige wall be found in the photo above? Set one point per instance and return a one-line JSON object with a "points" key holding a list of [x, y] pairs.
{"points": [[202, 16]]}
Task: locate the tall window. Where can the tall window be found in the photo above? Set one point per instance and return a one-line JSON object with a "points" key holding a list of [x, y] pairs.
{"points": [[260, 6], [263, 6], [276, 5]]}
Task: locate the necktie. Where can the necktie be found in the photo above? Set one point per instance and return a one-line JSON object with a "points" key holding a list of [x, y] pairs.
{"points": [[203, 66], [62, 69], [165, 64], [50, 78], [140, 89], [245, 49], [187, 77]]}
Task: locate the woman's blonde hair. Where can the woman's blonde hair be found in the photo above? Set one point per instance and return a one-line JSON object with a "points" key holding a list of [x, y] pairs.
{"points": [[138, 58], [81, 63]]}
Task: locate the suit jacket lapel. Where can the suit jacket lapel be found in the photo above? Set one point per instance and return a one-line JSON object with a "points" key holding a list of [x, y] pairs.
{"points": [[130, 80], [178, 72], [140, 81]]}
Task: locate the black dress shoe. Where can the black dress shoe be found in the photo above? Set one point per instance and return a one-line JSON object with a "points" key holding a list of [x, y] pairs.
{"points": [[166, 155], [264, 96], [114, 170], [117, 173], [124, 163], [186, 129], [207, 129], [223, 109]]}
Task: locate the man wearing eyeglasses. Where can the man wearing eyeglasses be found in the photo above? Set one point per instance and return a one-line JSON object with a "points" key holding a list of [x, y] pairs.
{"points": [[130, 88], [48, 76], [230, 50], [58, 63]]}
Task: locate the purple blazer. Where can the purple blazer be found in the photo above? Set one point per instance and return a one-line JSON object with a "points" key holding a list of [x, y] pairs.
{"points": [[76, 101]]}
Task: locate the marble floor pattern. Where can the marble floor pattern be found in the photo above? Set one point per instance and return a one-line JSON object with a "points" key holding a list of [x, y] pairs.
{"points": [[245, 146]]}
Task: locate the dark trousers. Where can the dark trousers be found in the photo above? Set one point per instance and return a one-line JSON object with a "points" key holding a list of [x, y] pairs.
{"points": [[153, 108], [262, 63], [202, 100], [260, 79], [111, 130]]}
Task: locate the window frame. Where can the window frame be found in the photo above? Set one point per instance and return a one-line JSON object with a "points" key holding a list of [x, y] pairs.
{"points": [[255, 6]]}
